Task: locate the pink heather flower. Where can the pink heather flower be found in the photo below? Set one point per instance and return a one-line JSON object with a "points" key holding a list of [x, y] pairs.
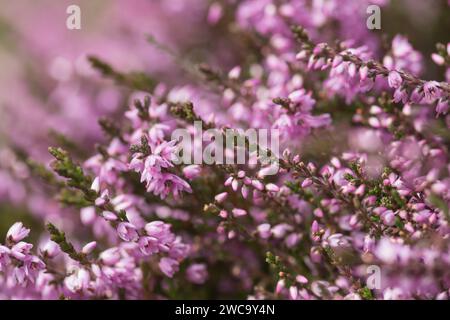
{"points": [[157, 229], [197, 273], [280, 287], [152, 167], [96, 184], [301, 279], [110, 216], [215, 13], [337, 240], [360, 190], [442, 296], [439, 187], [103, 199], [88, 215], [223, 214], [363, 72], [336, 162], [245, 191], [264, 231], [442, 107], [349, 188], [318, 213], [229, 181], [221, 197], [168, 266], [4, 257], [422, 216], [31, 268], [388, 217], [404, 57], [258, 185], [234, 73], [162, 155], [178, 250], [279, 231], [315, 227], [401, 46], [192, 171], [17, 232], [272, 187], [394, 79], [78, 280], [127, 231], [165, 184], [301, 55], [400, 95], [89, 247], [110, 256], [239, 212], [431, 90], [306, 183], [337, 61], [293, 292], [438, 59], [148, 245], [235, 185], [50, 249], [21, 250], [315, 255], [387, 251], [292, 240], [297, 96]]}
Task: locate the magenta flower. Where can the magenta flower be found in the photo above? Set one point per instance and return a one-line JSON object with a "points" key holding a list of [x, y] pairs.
{"points": [[197, 273], [148, 245], [264, 230], [17, 232], [442, 107], [110, 256], [50, 249], [78, 281], [168, 266], [89, 247], [21, 250], [221, 197], [4, 257], [394, 79], [215, 13], [157, 229], [192, 171], [431, 90], [239, 212], [388, 217], [127, 231], [157, 181]]}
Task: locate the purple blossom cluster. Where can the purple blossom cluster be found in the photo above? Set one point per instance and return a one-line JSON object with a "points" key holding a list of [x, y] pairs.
{"points": [[354, 205]]}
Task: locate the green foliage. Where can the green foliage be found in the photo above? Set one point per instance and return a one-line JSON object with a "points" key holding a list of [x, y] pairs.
{"points": [[65, 167], [133, 80]]}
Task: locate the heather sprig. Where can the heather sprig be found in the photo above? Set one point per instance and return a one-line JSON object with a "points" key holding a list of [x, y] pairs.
{"points": [[135, 80], [59, 237], [323, 56]]}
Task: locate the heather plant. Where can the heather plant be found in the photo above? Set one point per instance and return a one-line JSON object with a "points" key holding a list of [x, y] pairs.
{"points": [[351, 202]]}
